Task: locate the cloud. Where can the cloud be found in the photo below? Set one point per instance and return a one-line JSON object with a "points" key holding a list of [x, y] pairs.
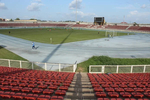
{"points": [[82, 14], [143, 6], [34, 7], [75, 3], [133, 12], [140, 17], [2, 6]]}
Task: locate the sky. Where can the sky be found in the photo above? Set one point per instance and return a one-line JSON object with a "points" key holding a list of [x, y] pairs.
{"points": [[114, 11]]}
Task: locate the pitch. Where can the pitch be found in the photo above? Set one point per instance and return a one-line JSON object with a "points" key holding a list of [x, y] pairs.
{"points": [[56, 36]]}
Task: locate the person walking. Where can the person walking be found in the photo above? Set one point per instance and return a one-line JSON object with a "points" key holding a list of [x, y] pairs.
{"points": [[33, 45]]}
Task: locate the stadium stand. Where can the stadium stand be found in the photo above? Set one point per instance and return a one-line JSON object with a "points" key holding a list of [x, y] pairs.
{"points": [[26, 84], [116, 27], [80, 25], [144, 29], [129, 86], [16, 83], [133, 28]]}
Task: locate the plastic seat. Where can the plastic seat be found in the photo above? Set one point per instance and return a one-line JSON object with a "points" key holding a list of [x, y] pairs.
{"points": [[42, 86], [113, 94], [119, 89], [56, 98], [63, 88], [147, 94], [105, 86], [6, 88], [66, 84], [23, 84], [102, 99], [109, 89], [14, 84], [116, 99], [53, 87], [100, 94], [129, 99], [16, 89], [44, 97], [37, 90], [125, 94], [95, 85], [137, 94], [146, 89], [32, 85], [26, 90], [129, 90], [55, 83], [114, 86], [48, 91], [100, 89], [31, 96], [139, 90], [19, 96], [60, 92], [7, 95]]}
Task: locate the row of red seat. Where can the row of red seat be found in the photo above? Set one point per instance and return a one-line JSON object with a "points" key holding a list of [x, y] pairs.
{"points": [[21, 96], [33, 83], [121, 86]]}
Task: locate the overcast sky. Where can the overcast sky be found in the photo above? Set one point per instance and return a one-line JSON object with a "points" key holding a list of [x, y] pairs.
{"points": [[56, 10]]}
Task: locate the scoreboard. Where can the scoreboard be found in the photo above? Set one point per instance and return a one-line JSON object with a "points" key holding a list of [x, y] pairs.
{"points": [[99, 20]]}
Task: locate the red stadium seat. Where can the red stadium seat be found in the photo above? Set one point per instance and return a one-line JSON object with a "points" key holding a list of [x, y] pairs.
{"points": [[100, 94], [44, 97], [48, 92]]}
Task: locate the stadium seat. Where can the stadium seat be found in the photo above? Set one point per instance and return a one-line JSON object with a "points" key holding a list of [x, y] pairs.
{"points": [[98, 89], [53, 87], [37, 90], [60, 92], [100, 94], [44, 97], [48, 92], [19, 96], [56, 98], [7, 95], [125, 94], [26, 90], [31, 96], [137, 94], [113, 94]]}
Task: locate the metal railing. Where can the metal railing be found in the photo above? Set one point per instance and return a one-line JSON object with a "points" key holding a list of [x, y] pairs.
{"points": [[39, 65], [119, 68]]}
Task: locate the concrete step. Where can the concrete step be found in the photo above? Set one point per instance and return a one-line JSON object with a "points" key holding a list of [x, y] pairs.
{"points": [[81, 90], [82, 96], [83, 83], [81, 86]]}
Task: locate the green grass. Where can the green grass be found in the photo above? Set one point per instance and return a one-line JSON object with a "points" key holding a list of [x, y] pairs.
{"points": [[6, 54], [104, 60], [58, 36]]}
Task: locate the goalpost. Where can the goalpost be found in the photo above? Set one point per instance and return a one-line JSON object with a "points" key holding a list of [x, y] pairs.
{"points": [[109, 33]]}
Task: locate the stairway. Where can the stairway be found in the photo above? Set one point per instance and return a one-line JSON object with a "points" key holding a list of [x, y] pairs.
{"points": [[80, 88]]}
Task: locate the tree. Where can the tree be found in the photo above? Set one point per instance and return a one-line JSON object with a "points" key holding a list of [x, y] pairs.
{"points": [[32, 19], [17, 19], [11, 20]]}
